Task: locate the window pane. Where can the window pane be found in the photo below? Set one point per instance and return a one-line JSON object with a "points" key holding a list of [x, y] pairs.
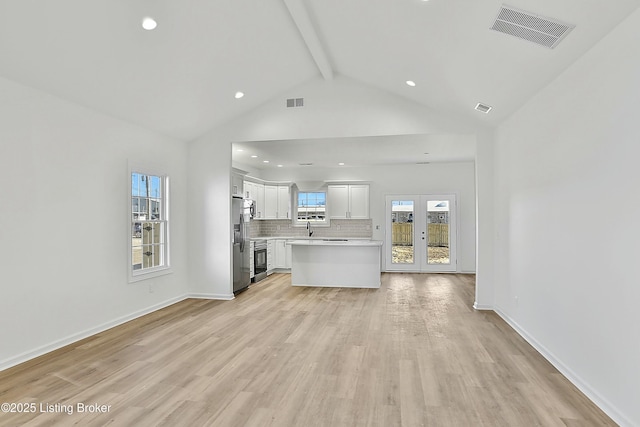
{"points": [[144, 186], [152, 255], [154, 188], [135, 184], [438, 232], [402, 246], [155, 209], [136, 246], [311, 206]]}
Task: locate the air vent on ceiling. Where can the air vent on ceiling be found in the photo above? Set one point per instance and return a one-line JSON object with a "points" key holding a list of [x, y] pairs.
{"points": [[483, 107], [305, 164], [538, 29], [295, 102]]}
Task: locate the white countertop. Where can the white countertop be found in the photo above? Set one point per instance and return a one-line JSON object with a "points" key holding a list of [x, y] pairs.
{"points": [[309, 238], [334, 242]]}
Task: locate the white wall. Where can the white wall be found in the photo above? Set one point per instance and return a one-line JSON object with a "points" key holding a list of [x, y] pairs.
{"points": [[64, 221], [336, 108], [436, 178], [484, 220], [567, 209]]}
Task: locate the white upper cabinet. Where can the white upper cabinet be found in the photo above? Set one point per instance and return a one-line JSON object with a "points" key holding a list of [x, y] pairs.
{"points": [[276, 202], [255, 192], [236, 184], [359, 201], [272, 201], [284, 201], [348, 201]]}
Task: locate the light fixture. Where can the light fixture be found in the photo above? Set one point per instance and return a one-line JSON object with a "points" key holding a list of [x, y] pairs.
{"points": [[239, 95], [279, 166], [340, 164], [149, 23], [265, 161], [240, 149], [254, 156], [411, 83]]}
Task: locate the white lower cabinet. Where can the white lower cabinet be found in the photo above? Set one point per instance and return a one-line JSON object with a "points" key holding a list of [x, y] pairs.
{"points": [[282, 254], [287, 251]]}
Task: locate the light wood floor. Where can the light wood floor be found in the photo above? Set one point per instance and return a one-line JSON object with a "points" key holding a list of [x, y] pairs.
{"points": [[411, 353]]}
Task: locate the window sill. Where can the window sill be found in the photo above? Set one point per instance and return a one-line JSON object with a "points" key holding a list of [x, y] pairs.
{"points": [[133, 277]]}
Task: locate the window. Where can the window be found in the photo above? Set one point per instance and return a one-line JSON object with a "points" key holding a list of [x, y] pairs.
{"points": [[149, 252], [311, 207]]}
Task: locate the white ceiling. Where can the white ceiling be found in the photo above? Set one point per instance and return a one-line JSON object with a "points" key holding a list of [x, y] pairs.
{"points": [[180, 79], [355, 151]]}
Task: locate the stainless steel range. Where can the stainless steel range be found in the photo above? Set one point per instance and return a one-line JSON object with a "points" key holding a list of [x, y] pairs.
{"points": [[260, 260]]}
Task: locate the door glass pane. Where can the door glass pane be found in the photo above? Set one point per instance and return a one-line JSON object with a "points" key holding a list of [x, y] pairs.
{"points": [[402, 245], [438, 251]]}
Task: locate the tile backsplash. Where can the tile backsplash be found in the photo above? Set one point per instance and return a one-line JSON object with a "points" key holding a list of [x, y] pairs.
{"points": [[353, 228]]}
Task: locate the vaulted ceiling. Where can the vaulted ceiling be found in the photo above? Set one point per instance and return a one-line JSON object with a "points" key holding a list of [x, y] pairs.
{"points": [[180, 79]]}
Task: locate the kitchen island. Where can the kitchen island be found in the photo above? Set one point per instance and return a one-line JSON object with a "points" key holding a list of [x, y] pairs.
{"points": [[337, 263]]}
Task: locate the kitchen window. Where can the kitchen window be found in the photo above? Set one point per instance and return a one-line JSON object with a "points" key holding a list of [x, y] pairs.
{"points": [[149, 225], [311, 207]]}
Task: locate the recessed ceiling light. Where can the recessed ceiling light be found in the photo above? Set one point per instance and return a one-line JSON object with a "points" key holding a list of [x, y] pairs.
{"points": [[279, 166], [411, 83], [254, 157], [265, 161], [149, 23], [240, 149], [340, 164], [239, 95]]}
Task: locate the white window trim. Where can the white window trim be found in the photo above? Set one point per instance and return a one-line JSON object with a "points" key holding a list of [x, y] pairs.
{"points": [[303, 222], [139, 275]]}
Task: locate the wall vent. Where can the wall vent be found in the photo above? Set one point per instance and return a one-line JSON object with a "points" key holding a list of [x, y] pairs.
{"points": [[483, 108], [295, 102], [528, 26]]}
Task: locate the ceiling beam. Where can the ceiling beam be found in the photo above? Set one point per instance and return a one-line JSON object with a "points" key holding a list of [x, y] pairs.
{"points": [[301, 18]]}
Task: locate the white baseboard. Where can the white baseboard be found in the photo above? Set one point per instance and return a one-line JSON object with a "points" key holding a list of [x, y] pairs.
{"points": [[32, 354], [477, 306], [224, 297], [582, 385]]}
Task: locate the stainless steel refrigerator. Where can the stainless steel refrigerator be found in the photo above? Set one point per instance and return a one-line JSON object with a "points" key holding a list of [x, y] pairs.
{"points": [[240, 209]]}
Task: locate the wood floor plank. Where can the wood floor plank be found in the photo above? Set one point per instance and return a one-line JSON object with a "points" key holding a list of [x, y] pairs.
{"points": [[411, 353]]}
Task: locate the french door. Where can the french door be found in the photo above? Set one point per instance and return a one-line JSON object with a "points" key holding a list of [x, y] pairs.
{"points": [[421, 233]]}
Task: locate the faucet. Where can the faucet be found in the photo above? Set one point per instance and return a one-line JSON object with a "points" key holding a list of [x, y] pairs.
{"points": [[309, 228]]}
